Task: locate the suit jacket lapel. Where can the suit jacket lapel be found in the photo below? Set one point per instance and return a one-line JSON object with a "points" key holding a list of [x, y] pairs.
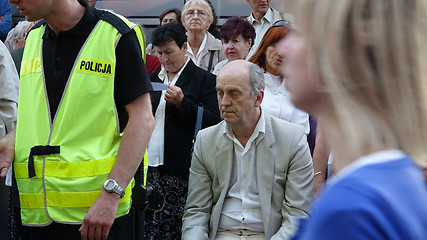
{"points": [[186, 74], [224, 160], [265, 172], [223, 163], [155, 95]]}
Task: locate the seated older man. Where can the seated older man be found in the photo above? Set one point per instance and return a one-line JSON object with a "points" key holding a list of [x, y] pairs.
{"points": [[251, 174]]}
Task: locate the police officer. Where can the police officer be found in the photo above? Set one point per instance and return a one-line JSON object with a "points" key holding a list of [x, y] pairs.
{"points": [[84, 121]]}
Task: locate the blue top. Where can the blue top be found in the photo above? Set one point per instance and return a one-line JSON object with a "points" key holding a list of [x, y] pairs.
{"points": [[384, 199], [6, 23]]}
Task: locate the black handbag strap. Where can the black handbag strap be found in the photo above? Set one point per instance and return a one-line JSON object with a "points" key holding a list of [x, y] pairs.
{"points": [[199, 120], [211, 61]]}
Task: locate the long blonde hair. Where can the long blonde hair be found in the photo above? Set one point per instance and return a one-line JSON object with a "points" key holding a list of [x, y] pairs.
{"points": [[371, 56]]}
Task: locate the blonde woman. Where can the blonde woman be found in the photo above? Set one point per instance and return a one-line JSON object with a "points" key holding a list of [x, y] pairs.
{"points": [[359, 66], [203, 48]]}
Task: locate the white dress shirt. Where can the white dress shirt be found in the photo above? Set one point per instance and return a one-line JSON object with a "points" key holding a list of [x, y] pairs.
{"points": [[156, 146], [277, 102], [242, 208], [260, 28]]}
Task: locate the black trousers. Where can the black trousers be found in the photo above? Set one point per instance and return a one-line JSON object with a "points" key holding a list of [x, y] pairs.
{"points": [[122, 228]]}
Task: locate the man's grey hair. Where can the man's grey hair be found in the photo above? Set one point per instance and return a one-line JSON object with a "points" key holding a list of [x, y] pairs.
{"points": [[256, 78]]}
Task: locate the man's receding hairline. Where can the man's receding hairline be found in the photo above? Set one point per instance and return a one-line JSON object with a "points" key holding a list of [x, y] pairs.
{"points": [[225, 69]]}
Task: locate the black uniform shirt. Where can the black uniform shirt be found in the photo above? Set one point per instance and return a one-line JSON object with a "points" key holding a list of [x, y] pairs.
{"points": [[60, 52]]}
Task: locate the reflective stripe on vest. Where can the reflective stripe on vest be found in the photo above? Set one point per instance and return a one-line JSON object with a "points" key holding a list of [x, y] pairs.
{"points": [[85, 127]]}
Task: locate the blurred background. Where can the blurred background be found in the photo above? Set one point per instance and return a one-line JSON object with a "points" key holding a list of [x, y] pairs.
{"points": [[146, 12]]}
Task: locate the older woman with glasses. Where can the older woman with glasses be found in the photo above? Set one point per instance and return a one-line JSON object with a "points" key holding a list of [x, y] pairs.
{"points": [[366, 83], [276, 100], [237, 37], [203, 48]]}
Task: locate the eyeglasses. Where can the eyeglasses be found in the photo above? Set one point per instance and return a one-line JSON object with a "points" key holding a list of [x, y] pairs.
{"points": [[192, 14], [280, 23]]}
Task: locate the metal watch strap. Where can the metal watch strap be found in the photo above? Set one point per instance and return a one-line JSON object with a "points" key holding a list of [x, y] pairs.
{"points": [[115, 188], [119, 190]]}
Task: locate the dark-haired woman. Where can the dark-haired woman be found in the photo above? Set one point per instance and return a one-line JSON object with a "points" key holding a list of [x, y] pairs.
{"points": [[175, 110], [170, 15], [237, 37]]}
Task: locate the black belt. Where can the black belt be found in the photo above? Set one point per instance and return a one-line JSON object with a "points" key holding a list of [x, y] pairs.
{"points": [[37, 151]]}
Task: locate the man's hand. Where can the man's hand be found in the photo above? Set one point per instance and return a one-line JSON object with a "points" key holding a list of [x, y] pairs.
{"points": [[174, 95], [7, 152], [100, 217]]}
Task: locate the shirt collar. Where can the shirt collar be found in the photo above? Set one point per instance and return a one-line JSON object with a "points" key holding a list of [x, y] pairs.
{"points": [[82, 28], [257, 134], [202, 46], [267, 17], [370, 159], [163, 74]]}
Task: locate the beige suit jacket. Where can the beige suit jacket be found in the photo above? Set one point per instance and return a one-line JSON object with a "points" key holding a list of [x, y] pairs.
{"points": [[284, 176]]}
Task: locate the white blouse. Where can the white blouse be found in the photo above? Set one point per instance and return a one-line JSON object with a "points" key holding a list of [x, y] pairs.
{"points": [[196, 58], [156, 146], [277, 102]]}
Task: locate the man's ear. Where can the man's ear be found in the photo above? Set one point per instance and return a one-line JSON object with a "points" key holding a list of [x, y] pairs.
{"points": [[259, 98]]}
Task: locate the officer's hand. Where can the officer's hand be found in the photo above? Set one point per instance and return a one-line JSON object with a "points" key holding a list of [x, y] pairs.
{"points": [[7, 152], [100, 217], [174, 95]]}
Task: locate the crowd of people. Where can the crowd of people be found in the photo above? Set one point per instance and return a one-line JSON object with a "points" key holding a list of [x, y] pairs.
{"points": [[234, 127]]}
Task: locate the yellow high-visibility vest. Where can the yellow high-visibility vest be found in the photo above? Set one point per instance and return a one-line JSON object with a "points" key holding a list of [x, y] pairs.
{"points": [[85, 132]]}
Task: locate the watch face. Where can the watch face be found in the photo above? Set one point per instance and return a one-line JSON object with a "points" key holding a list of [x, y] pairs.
{"points": [[109, 185]]}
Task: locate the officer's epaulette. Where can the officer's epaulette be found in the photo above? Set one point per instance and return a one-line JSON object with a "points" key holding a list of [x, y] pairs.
{"points": [[114, 20]]}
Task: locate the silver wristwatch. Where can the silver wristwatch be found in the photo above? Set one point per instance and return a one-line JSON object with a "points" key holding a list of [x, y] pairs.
{"points": [[112, 186]]}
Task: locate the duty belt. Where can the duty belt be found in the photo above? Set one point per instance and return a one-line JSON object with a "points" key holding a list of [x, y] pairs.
{"points": [[37, 151]]}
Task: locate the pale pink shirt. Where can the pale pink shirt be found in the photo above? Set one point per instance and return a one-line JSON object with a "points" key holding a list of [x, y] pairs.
{"points": [[277, 103]]}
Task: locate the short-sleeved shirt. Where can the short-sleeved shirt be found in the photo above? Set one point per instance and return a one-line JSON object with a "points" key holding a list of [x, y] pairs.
{"points": [[60, 52]]}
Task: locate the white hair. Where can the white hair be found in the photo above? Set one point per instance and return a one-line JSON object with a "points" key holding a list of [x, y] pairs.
{"points": [[202, 3]]}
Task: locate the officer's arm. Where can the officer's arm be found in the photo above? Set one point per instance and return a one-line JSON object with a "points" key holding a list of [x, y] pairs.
{"points": [[101, 215], [135, 140]]}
